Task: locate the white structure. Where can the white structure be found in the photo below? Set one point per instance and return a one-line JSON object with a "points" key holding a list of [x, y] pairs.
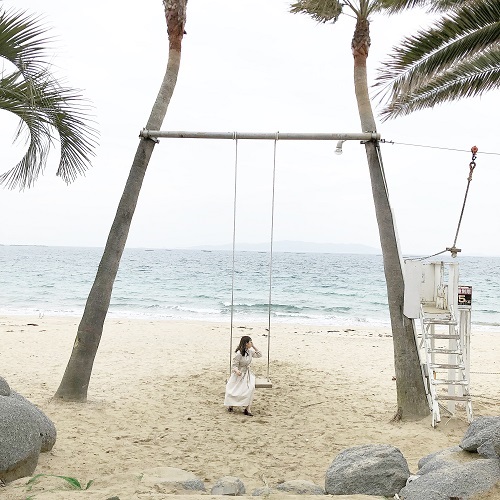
{"points": [[436, 302]]}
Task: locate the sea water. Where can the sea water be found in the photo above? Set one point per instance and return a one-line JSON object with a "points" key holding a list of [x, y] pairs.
{"points": [[307, 288]]}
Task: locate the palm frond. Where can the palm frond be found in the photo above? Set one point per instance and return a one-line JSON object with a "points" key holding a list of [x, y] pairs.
{"points": [[453, 39], [322, 11], [15, 97], [469, 78], [46, 109], [365, 8], [397, 6], [23, 41], [414, 64], [69, 116]]}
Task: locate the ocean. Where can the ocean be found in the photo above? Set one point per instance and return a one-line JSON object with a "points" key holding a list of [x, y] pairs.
{"points": [[307, 288]]}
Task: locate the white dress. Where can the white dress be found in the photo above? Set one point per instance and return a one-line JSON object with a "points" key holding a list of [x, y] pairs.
{"points": [[240, 389]]}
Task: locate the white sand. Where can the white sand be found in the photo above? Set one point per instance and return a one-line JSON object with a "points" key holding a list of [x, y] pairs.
{"points": [[156, 394]]}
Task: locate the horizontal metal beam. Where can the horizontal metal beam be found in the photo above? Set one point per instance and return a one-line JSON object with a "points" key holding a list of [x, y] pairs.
{"points": [[279, 136]]}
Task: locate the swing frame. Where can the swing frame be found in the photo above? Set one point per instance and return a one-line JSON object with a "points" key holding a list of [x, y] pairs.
{"points": [[341, 137]]}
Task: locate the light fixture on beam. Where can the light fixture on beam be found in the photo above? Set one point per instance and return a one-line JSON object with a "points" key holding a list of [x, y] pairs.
{"points": [[338, 149]]}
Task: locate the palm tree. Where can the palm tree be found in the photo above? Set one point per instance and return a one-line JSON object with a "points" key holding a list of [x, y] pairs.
{"points": [[42, 104], [457, 57], [411, 397], [75, 381]]}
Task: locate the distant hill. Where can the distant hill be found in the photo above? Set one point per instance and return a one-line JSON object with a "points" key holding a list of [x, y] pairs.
{"points": [[295, 246]]}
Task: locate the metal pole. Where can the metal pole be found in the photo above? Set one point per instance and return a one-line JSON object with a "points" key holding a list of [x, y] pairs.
{"points": [[281, 136]]}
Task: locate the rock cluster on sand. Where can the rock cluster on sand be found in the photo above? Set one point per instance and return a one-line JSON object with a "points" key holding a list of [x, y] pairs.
{"points": [[462, 471], [376, 470], [25, 431], [465, 471]]}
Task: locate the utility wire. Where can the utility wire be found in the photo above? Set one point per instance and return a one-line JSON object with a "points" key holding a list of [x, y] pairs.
{"points": [[453, 249], [434, 147]]}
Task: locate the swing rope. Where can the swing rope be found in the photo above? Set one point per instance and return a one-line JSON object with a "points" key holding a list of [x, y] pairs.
{"points": [[271, 257], [234, 247], [235, 137], [453, 249]]}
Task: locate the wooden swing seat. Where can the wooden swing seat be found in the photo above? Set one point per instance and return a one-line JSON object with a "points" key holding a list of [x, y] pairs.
{"points": [[263, 383]]}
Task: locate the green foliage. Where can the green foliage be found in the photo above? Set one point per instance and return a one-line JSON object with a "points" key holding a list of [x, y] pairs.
{"points": [[43, 105], [395, 6], [457, 57], [74, 483], [322, 11]]}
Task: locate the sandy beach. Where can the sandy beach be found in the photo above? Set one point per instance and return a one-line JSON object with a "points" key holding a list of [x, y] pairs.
{"points": [[156, 399]]}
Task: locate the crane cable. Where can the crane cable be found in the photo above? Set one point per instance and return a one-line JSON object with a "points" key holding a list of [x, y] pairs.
{"points": [[453, 249], [472, 166]]}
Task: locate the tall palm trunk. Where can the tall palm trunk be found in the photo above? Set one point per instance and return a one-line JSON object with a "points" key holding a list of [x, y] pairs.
{"points": [[411, 398], [75, 381]]}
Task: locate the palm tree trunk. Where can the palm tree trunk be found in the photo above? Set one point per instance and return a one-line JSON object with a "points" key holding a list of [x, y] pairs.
{"points": [[76, 378], [411, 397]]}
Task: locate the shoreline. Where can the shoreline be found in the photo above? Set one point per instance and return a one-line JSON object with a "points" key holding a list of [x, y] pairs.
{"points": [[334, 324], [156, 399]]}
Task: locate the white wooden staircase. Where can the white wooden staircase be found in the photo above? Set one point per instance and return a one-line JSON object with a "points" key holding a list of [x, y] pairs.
{"points": [[444, 366], [442, 334]]}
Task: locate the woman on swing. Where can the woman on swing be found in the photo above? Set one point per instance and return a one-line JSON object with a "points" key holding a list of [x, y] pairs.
{"points": [[241, 384]]}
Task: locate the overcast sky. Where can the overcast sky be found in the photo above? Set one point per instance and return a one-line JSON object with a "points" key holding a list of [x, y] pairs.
{"points": [[249, 66]]}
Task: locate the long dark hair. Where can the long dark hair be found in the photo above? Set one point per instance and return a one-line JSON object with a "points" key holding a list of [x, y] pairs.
{"points": [[243, 343]]}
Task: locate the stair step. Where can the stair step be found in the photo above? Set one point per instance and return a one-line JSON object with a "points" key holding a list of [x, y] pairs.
{"points": [[441, 336], [439, 381], [439, 322], [446, 366], [445, 397]]}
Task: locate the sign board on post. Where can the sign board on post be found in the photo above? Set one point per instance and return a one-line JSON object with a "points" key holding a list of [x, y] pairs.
{"points": [[464, 295]]}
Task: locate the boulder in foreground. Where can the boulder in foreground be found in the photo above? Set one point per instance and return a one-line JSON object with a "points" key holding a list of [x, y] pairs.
{"points": [[461, 480], [47, 428], [20, 440], [483, 437], [373, 469]]}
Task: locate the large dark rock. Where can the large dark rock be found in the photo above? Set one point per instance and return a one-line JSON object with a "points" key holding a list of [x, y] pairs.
{"points": [[376, 469], [45, 425], [20, 440], [454, 480], [4, 387], [483, 437], [444, 458]]}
